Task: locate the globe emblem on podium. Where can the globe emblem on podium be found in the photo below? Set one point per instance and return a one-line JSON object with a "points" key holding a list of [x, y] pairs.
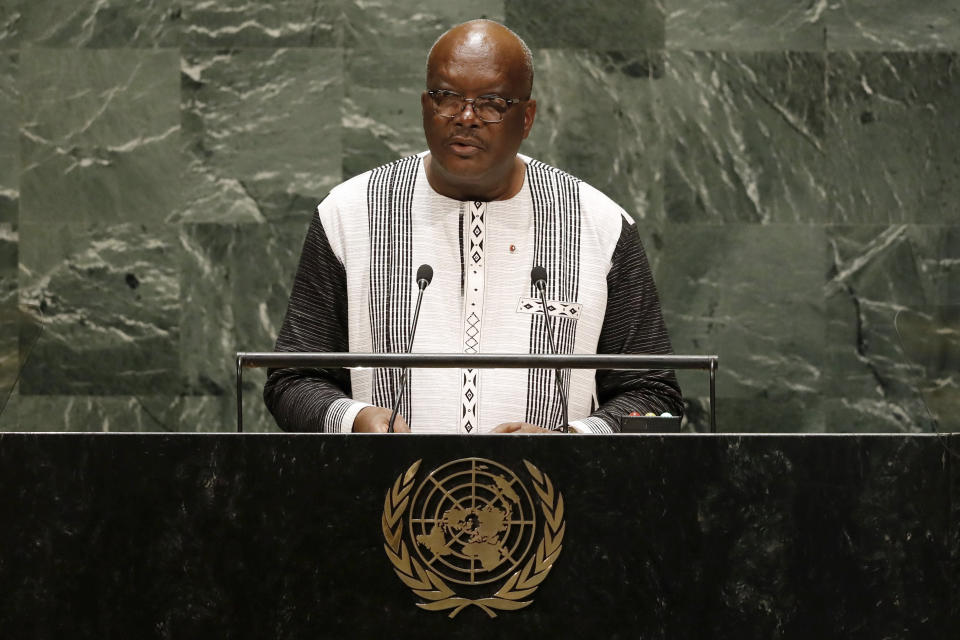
{"points": [[472, 521]]}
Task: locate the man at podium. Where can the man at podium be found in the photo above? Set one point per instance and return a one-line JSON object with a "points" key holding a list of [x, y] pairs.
{"points": [[483, 217]]}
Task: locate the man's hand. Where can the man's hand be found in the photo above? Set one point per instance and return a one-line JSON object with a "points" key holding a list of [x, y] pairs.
{"points": [[520, 427], [376, 420]]}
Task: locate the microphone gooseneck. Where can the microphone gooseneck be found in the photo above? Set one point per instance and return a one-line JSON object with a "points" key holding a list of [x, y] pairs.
{"points": [[538, 277], [424, 277]]}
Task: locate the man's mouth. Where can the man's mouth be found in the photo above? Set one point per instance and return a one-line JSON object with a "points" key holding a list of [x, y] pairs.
{"points": [[464, 146]]}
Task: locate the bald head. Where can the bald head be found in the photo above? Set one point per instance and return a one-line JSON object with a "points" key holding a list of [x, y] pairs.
{"points": [[487, 41]]}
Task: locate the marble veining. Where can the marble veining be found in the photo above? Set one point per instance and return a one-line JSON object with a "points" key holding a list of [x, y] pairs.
{"points": [[745, 25], [109, 301], [588, 24], [260, 132], [576, 90], [750, 294], [889, 157], [877, 273], [9, 314], [746, 136], [11, 15], [246, 299], [381, 115], [888, 25], [112, 145], [100, 23], [9, 138], [382, 25], [209, 24], [340, 23]]}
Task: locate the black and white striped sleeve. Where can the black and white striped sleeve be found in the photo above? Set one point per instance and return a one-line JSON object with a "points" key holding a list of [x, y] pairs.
{"points": [[316, 321], [633, 323]]}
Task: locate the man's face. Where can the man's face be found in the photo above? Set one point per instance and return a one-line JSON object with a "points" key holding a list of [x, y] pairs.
{"points": [[466, 149]]}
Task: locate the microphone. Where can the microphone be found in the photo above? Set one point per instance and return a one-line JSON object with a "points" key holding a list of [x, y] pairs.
{"points": [[424, 277], [538, 277]]}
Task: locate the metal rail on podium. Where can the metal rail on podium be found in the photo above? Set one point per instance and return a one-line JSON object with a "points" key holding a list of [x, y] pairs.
{"points": [[333, 360]]}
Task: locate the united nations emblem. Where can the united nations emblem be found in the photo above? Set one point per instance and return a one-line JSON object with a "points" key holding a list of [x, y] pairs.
{"points": [[473, 523]]}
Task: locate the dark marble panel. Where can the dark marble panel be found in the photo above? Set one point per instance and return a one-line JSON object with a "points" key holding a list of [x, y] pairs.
{"points": [[767, 412], [752, 295], [20, 330], [261, 133], [256, 417], [381, 110], [891, 149], [929, 336], [11, 16], [746, 136], [9, 138], [109, 297], [99, 138], [9, 241], [943, 404], [875, 273], [79, 413], [235, 283], [220, 24], [9, 412], [867, 414], [25, 328], [384, 25], [951, 449], [175, 536], [915, 550], [594, 120], [261, 287], [100, 24], [890, 25], [9, 316], [588, 24], [745, 25], [142, 414]]}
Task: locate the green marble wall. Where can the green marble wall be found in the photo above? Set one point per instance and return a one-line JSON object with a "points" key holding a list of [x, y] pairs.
{"points": [[793, 168]]}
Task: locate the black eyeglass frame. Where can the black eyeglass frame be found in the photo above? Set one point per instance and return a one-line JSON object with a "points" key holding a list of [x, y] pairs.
{"points": [[464, 101]]}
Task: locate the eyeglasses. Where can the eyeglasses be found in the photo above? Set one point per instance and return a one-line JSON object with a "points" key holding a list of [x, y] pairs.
{"points": [[491, 109]]}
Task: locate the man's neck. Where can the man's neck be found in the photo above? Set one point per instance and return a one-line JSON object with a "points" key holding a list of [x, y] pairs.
{"points": [[502, 189]]}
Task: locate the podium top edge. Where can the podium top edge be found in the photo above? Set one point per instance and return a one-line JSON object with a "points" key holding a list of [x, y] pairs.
{"points": [[684, 435], [479, 361]]}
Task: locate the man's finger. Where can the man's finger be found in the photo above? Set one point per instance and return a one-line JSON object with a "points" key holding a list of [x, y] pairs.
{"points": [[520, 427], [399, 425], [532, 428]]}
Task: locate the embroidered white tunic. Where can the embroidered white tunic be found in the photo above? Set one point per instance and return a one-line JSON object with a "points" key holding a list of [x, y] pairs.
{"points": [[374, 232]]}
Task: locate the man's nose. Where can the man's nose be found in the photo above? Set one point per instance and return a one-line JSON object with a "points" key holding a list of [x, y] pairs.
{"points": [[472, 119]]}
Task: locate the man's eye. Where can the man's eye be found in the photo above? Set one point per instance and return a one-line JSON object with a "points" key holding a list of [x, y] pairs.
{"points": [[493, 103]]}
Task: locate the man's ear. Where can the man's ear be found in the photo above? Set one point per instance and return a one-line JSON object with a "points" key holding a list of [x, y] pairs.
{"points": [[529, 113]]}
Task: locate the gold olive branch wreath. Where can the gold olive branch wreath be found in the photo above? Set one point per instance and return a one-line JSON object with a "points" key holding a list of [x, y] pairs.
{"points": [[429, 586]]}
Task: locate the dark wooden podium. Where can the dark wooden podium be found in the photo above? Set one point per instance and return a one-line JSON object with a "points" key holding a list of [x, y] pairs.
{"points": [[283, 536]]}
